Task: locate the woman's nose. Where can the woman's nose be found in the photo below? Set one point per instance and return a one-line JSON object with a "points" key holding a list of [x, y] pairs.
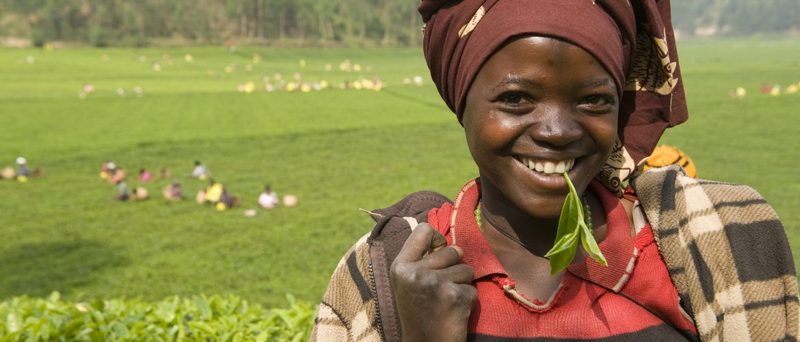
{"points": [[555, 125]]}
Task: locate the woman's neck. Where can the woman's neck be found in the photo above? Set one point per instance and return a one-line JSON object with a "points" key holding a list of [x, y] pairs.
{"points": [[505, 221]]}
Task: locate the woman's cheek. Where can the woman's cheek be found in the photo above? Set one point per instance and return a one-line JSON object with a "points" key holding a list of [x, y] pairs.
{"points": [[493, 135]]}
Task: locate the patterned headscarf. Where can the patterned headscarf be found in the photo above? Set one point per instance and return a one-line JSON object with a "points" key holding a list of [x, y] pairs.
{"points": [[633, 40]]}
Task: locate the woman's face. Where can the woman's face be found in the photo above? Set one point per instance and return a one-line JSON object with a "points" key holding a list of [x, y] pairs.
{"points": [[537, 108]]}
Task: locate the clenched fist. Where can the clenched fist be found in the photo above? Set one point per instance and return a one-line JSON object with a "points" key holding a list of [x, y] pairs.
{"points": [[432, 288]]}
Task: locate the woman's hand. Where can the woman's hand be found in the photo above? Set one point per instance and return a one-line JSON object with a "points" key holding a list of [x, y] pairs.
{"points": [[432, 288]]}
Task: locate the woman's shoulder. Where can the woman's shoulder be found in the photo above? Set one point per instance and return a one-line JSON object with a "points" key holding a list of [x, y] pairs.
{"points": [[676, 204], [392, 226], [394, 221], [670, 189], [722, 240], [411, 205]]}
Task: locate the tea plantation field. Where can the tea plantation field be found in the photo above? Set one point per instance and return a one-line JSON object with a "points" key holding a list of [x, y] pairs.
{"points": [[337, 150]]}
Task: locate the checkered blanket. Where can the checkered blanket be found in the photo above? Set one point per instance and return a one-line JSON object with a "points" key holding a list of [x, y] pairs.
{"points": [[727, 254]]}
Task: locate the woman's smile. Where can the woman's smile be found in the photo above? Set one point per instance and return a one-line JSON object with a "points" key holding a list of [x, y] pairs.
{"points": [[547, 174], [547, 167]]}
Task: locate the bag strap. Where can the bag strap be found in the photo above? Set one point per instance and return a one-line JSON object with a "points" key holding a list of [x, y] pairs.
{"points": [[393, 226]]}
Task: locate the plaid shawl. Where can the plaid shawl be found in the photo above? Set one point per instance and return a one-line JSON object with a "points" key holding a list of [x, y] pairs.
{"points": [[727, 255], [724, 246]]}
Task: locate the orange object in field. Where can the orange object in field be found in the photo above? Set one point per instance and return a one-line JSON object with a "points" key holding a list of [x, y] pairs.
{"points": [[665, 155]]}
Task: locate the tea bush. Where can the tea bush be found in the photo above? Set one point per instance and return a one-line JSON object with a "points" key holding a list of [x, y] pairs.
{"points": [[198, 318]]}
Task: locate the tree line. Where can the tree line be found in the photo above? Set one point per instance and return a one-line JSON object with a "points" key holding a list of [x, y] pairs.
{"points": [[309, 22], [736, 17], [129, 22]]}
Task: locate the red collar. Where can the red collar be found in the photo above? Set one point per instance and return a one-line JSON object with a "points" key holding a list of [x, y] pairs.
{"points": [[465, 233], [618, 246]]}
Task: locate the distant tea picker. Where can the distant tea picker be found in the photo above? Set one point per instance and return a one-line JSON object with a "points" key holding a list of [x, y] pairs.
{"points": [[217, 195], [200, 171], [173, 192], [22, 174], [107, 169], [268, 199]]}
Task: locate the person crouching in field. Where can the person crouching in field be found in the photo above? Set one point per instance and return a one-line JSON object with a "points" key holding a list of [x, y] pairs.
{"points": [[268, 199], [122, 191], [173, 192], [226, 200], [213, 191], [116, 174], [8, 173], [23, 172], [560, 238], [140, 193], [200, 171], [106, 170], [145, 175]]}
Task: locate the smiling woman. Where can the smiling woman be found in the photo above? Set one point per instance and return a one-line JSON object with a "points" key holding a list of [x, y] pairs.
{"points": [[552, 93]]}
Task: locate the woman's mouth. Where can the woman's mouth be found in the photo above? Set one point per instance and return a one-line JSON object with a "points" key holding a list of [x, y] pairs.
{"points": [[547, 167]]}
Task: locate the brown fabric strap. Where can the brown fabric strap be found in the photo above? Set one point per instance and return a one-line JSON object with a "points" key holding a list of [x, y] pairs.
{"points": [[387, 238]]}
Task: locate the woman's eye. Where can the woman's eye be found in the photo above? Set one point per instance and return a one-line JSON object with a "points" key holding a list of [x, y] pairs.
{"points": [[513, 99], [598, 102]]}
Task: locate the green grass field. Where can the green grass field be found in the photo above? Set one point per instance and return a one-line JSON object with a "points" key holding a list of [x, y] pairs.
{"points": [[337, 150]]}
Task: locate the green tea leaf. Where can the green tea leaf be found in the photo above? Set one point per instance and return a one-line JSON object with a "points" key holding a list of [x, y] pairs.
{"points": [[563, 257], [572, 228], [202, 305], [564, 243], [590, 245], [569, 216], [13, 323]]}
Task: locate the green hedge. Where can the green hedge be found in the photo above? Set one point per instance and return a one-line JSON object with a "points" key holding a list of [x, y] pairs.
{"points": [[199, 318]]}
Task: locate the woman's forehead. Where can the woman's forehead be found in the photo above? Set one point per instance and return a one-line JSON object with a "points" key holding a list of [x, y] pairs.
{"points": [[525, 60]]}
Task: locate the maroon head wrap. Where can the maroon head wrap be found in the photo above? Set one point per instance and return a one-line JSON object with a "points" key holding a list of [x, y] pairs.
{"points": [[633, 40]]}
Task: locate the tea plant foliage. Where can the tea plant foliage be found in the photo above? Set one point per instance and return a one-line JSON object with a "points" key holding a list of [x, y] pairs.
{"points": [[195, 318]]}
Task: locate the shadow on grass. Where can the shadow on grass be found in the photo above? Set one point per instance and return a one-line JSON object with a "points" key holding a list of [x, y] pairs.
{"points": [[36, 269]]}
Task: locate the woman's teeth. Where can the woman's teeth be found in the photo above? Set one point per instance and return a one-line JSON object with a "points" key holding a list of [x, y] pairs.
{"points": [[549, 167]]}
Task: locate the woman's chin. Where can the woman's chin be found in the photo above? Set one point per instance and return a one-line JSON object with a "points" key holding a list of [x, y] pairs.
{"points": [[543, 209]]}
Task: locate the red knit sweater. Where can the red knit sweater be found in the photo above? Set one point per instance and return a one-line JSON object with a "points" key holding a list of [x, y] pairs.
{"points": [[632, 298]]}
